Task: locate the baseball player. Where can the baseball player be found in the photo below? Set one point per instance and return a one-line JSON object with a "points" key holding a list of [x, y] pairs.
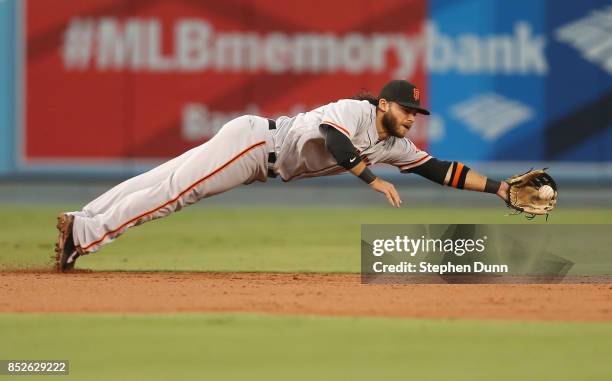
{"points": [[347, 135]]}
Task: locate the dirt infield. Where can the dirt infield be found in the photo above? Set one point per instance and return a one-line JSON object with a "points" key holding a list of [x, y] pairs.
{"points": [[318, 294]]}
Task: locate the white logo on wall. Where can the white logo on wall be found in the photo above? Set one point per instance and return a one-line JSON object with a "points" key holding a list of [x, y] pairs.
{"points": [[114, 44], [591, 36], [491, 115], [517, 53]]}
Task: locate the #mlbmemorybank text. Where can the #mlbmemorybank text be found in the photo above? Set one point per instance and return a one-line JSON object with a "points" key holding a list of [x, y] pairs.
{"points": [[403, 245]]}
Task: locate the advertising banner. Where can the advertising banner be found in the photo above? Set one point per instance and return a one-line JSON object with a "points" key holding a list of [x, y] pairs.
{"points": [[111, 82], [147, 80], [521, 80]]}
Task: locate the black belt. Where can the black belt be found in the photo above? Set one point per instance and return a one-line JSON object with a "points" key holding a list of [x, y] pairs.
{"points": [[271, 155]]}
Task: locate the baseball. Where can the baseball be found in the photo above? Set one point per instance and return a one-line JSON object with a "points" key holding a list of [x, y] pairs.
{"points": [[546, 192]]}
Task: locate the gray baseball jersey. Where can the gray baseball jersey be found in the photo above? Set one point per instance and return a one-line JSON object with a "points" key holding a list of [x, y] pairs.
{"points": [[300, 143], [238, 154]]}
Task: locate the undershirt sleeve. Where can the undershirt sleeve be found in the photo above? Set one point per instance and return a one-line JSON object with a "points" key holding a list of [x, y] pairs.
{"points": [[340, 146]]}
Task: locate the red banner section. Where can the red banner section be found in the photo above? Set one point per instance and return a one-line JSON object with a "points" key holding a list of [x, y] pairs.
{"points": [[118, 79]]}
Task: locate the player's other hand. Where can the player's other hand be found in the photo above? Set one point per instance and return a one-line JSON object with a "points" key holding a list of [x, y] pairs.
{"points": [[388, 190]]}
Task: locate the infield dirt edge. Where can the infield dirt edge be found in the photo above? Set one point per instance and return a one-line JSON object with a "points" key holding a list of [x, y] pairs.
{"points": [[296, 294]]}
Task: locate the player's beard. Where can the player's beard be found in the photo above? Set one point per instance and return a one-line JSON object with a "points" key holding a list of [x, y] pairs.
{"points": [[391, 125]]}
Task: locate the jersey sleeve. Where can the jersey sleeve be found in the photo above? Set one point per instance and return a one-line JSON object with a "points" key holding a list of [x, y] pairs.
{"points": [[405, 155], [344, 115]]}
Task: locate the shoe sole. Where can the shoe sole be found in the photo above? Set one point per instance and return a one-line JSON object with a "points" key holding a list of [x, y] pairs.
{"points": [[63, 221]]}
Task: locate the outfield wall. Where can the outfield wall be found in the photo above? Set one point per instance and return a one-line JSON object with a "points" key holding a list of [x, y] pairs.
{"points": [[111, 88]]}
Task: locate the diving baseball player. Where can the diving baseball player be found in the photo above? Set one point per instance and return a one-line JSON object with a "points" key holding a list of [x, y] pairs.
{"points": [[347, 135]]}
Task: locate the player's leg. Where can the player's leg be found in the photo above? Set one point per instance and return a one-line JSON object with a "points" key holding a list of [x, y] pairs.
{"points": [[154, 176], [236, 155]]}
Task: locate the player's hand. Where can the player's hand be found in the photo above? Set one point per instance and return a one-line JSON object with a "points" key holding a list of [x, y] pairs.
{"points": [[502, 192], [388, 190]]}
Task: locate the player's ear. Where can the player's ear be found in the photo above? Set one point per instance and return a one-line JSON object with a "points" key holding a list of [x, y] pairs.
{"points": [[383, 105]]}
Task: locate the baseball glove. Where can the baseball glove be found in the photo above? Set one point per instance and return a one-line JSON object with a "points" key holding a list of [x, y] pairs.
{"points": [[524, 193]]}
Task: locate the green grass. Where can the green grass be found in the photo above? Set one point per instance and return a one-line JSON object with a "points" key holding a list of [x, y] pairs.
{"points": [[252, 347], [247, 239]]}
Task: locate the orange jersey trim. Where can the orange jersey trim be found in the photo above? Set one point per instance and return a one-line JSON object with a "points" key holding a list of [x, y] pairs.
{"points": [[342, 129], [457, 175], [177, 197]]}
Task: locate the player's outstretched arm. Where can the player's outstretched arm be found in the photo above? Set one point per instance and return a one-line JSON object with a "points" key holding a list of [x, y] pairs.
{"points": [[347, 157], [460, 176]]}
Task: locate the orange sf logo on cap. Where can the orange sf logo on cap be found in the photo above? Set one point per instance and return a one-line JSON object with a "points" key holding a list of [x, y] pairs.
{"points": [[416, 93]]}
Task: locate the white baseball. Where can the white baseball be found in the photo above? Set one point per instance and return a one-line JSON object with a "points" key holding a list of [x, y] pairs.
{"points": [[546, 192]]}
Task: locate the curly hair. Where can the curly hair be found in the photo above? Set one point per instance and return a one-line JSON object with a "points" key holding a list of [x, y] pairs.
{"points": [[365, 95]]}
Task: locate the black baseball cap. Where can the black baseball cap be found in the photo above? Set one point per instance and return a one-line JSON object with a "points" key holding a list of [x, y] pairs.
{"points": [[403, 93]]}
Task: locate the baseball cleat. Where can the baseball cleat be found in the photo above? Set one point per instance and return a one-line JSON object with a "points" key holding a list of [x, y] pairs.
{"points": [[65, 251]]}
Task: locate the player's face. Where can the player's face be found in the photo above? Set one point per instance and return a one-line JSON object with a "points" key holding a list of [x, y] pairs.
{"points": [[397, 120]]}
